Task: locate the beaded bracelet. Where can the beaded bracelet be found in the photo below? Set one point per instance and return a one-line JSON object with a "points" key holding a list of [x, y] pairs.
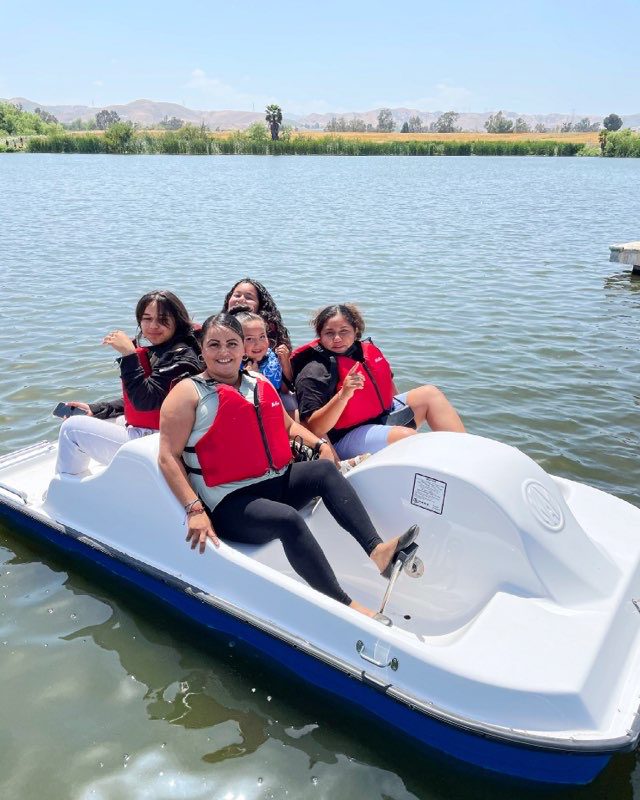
{"points": [[194, 511], [190, 505]]}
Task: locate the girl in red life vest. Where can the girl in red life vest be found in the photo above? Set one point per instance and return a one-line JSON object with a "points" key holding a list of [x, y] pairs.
{"points": [[224, 451], [147, 374], [346, 391]]}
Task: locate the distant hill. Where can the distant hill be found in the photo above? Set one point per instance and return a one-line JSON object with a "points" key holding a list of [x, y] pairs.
{"points": [[150, 112]]}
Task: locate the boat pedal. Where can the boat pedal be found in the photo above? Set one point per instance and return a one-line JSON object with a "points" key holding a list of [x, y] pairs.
{"points": [[407, 556], [415, 568], [404, 560]]}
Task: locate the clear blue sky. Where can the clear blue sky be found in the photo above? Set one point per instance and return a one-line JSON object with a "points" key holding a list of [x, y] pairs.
{"points": [[538, 56]]}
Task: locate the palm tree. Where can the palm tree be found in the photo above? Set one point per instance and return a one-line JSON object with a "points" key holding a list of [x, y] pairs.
{"points": [[274, 119]]}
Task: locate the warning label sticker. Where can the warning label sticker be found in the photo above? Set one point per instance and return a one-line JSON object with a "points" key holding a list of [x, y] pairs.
{"points": [[428, 493]]}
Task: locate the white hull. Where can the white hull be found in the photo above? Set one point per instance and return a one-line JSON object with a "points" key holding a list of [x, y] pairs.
{"points": [[522, 630]]}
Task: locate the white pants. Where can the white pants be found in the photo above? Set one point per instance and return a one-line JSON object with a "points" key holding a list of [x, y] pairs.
{"points": [[84, 438]]}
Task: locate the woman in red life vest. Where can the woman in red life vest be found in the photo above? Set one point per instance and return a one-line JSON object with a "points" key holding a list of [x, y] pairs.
{"points": [[147, 374], [346, 391], [225, 453]]}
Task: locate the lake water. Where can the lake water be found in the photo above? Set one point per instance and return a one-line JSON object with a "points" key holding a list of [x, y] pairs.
{"points": [[486, 276]]}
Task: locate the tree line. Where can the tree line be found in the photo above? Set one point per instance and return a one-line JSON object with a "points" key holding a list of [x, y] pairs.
{"points": [[447, 123], [15, 121], [498, 123], [104, 119]]}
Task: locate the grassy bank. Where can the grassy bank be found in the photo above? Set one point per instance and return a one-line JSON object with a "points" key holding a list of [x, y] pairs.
{"points": [[122, 138], [623, 144]]}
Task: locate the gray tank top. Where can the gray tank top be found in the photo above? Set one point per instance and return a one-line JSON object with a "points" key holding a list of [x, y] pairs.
{"points": [[206, 411]]}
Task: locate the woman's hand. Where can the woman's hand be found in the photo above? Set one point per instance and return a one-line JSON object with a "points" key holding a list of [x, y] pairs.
{"points": [[84, 406], [352, 382], [200, 529], [120, 342]]}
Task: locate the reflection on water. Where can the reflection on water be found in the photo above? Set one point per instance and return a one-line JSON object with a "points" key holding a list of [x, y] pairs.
{"points": [[212, 705], [488, 277], [624, 282]]}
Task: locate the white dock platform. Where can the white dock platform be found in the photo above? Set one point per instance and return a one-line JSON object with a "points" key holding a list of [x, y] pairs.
{"points": [[628, 253]]}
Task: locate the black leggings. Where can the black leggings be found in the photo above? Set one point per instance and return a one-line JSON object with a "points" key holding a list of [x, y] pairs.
{"points": [[267, 510]]}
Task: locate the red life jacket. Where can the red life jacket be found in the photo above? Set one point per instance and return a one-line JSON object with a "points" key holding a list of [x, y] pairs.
{"points": [[311, 351], [132, 415], [376, 396], [246, 439]]}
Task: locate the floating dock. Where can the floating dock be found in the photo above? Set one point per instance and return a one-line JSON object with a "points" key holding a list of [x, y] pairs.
{"points": [[628, 253]]}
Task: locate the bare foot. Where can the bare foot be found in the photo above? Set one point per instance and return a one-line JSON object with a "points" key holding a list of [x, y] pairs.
{"points": [[356, 606], [348, 464], [382, 554]]}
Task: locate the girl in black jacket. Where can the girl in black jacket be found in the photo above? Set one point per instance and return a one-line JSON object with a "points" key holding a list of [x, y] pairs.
{"points": [[147, 376]]}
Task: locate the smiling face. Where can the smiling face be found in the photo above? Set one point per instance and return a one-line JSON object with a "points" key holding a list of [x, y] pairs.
{"points": [[337, 334], [245, 294], [256, 342], [157, 325], [222, 351]]}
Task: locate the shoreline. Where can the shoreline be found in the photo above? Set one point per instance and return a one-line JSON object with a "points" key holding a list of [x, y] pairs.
{"points": [[124, 139]]}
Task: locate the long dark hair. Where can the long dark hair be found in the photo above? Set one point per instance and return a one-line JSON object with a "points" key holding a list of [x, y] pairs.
{"points": [[169, 305], [267, 310]]}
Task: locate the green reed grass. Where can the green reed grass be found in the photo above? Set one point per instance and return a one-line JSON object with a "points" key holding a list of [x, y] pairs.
{"points": [[66, 143], [191, 140]]}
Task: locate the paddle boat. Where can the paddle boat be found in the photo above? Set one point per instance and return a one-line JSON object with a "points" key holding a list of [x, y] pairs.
{"points": [[514, 635]]}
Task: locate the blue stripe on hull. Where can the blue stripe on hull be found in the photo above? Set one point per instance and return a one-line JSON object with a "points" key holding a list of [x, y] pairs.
{"points": [[528, 763]]}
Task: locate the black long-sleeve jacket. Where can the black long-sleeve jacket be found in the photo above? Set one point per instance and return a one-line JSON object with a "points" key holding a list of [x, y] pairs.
{"points": [[170, 362]]}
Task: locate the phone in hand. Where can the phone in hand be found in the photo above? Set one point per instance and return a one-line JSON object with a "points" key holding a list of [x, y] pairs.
{"points": [[63, 410]]}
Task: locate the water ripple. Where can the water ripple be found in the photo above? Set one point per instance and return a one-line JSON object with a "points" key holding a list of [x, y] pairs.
{"points": [[488, 277]]}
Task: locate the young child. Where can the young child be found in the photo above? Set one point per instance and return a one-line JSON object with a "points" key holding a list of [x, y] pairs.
{"points": [[259, 357]]}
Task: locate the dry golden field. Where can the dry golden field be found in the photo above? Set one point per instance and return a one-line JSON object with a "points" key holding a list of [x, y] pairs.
{"points": [[464, 136]]}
